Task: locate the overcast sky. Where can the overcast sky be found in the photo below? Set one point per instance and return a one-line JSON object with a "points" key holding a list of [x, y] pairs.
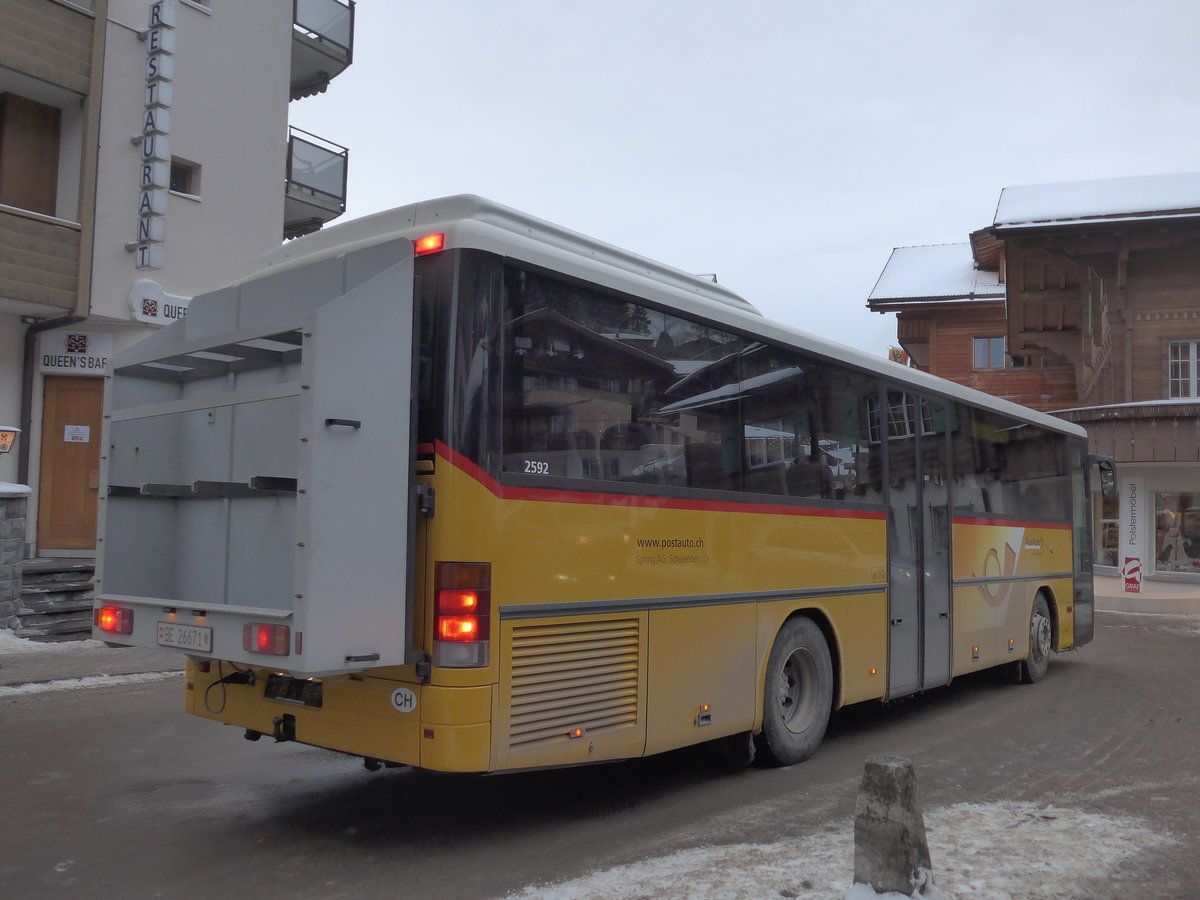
{"points": [[785, 146]]}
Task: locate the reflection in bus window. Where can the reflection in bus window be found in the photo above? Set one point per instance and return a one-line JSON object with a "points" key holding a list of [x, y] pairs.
{"points": [[596, 387], [590, 383], [1004, 467]]}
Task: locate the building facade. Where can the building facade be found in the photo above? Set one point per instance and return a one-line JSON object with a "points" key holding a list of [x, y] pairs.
{"points": [[145, 157], [1098, 320]]}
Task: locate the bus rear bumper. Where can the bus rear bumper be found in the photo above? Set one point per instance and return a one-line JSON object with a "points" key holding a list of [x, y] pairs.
{"points": [[447, 729]]}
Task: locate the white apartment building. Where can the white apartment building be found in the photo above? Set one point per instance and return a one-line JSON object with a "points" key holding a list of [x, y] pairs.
{"points": [[145, 157]]}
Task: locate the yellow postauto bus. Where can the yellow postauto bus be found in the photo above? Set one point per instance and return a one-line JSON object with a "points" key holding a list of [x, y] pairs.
{"points": [[453, 487]]}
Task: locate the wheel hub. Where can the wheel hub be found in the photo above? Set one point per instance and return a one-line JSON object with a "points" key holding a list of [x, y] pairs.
{"points": [[1041, 634]]}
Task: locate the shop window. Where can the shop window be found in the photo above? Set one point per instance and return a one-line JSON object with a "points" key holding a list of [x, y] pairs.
{"points": [[1104, 533], [1183, 369], [988, 352], [1177, 532]]}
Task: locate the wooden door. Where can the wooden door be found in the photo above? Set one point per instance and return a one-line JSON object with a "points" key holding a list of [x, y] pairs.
{"points": [[69, 481]]}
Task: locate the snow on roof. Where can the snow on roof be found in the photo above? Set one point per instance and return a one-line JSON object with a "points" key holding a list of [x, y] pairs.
{"points": [[1145, 196], [935, 271]]}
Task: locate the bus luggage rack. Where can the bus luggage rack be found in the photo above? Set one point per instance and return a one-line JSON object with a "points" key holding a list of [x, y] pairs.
{"points": [[262, 352], [257, 486]]}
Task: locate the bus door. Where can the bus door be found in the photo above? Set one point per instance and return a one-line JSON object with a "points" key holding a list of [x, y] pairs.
{"points": [[935, 540], [918, 545]]}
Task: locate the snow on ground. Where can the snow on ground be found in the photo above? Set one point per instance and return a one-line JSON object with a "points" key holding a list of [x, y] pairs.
{"points": [[981, 851], [10, 643], [1181, 623], [82, 684]]}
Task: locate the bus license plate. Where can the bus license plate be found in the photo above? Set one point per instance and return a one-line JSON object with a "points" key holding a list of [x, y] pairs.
{"points": [[185, 637]]}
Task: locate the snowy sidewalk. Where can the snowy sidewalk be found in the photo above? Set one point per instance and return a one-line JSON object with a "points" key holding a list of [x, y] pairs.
{"points": [[33, 663]]}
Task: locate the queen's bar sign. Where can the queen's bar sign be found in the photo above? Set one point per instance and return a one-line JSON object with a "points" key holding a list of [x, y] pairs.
{"points": [[74, 352], [149, 303]]}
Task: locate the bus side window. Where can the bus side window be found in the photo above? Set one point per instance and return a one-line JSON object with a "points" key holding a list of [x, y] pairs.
{"points": [[706, 467], [808, 478]]}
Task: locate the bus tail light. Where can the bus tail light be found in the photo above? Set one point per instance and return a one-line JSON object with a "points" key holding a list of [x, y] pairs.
{"points": [[114, 619], [274, 640], [462, 614]]}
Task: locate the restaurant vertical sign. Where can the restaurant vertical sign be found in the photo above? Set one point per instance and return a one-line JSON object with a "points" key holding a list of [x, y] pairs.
{"points": [[155, 165]]}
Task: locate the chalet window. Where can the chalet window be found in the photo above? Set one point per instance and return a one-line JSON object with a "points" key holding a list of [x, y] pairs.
{"points": [[1183, 369], [988, 353]]}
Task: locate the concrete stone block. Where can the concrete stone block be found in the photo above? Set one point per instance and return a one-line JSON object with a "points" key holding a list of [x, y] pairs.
{"points": [[891, 851]]}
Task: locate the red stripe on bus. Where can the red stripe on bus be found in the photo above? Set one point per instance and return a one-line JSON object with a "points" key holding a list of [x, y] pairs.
{"points": [[1009, 523], [557, 495]]}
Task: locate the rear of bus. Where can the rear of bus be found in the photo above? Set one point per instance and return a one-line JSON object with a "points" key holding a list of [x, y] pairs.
{"points": [[300, 496]]}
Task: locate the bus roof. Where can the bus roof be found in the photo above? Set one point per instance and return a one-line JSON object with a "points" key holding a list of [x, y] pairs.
{"points": [[479, 223], [469, 221]]}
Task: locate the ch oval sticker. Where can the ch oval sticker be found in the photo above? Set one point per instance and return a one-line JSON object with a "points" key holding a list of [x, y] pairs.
{"points": [[404, 700]]}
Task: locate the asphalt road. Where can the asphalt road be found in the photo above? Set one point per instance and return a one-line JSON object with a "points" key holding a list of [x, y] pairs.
{"points": [[114, 792]]}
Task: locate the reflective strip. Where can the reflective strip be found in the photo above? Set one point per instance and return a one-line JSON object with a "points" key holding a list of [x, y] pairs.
{"points": [[642, 604], [1004, 579]]}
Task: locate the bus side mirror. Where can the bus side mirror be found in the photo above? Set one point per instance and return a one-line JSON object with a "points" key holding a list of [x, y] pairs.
{"points": [[1108, 475]]}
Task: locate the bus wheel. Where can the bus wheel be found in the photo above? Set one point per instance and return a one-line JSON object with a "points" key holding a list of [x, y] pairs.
{"points": [[1041, 634], [797, 694]]}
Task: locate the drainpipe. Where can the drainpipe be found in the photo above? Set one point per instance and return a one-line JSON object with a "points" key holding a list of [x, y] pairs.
{"points": [[27, 369]]}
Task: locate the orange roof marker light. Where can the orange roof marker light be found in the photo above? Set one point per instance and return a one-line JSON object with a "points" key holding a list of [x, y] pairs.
{"points": [[430, 243]]}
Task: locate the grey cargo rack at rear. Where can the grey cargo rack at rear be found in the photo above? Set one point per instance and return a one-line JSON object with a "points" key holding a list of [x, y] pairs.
{"points": [[258, 467]]}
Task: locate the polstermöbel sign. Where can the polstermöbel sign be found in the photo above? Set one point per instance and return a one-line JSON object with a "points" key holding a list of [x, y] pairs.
{"points": [[1132, 534]]}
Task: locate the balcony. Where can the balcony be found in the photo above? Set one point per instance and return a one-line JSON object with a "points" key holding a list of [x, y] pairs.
{"points": [[1160, 431], [316, 183], [39, 264], [322, 44]]}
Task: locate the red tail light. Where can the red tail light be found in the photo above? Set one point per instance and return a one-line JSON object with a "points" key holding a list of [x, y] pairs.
{"points": [[462, 613], [114, 619], [275, 640]]}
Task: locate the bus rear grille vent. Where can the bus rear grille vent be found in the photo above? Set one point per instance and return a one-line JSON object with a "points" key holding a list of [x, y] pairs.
{"points": [[578, 675]]}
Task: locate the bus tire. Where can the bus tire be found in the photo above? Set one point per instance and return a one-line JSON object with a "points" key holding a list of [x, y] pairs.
{"points": [[1041, 640], [797, 694]]}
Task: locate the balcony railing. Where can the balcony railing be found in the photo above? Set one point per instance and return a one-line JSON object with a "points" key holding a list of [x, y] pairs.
{"points": [[316, 183], [39, 263], [322, 43]]}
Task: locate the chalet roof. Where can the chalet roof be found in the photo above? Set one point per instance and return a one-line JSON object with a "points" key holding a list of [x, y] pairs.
{"points": [[941, 272], [1109, 199]]}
